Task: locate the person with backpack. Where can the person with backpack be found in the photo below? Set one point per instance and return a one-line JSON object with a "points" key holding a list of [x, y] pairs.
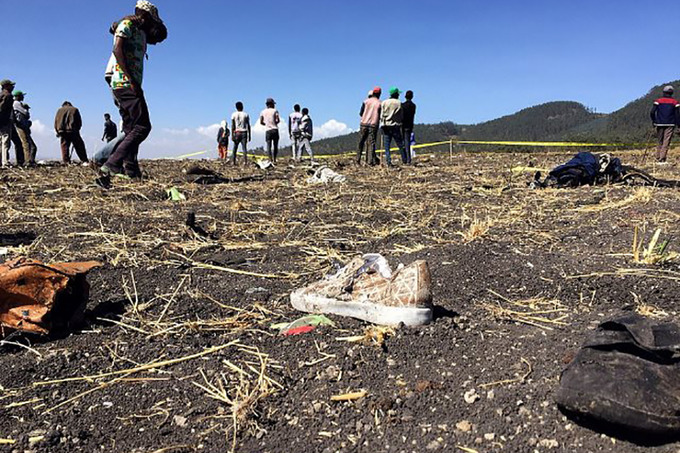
{"points": [[392, 119], [240, 126], [23, 123], [294, 132], [124, 73], [306, 134], [67, 125], [270, 119], [223, 141], [665, 116], [368, 127]]}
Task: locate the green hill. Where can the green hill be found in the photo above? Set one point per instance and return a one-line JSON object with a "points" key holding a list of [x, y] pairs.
{"points": [[548, 121], [630, 124]]}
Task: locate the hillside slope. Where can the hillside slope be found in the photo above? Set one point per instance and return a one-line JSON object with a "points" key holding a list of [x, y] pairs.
{"points": [[548, 121], [629, 124]]}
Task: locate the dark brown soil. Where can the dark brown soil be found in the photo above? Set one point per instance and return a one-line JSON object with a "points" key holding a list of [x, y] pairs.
{"points": [[163, 294]]}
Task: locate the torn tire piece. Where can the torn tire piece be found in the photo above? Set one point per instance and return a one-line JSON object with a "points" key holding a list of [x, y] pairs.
{"points": [[40, 298]]}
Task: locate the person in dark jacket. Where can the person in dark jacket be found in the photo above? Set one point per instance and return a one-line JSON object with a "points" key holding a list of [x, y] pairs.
{"points": [[409, 109], [67, 125], [223, 142], [6, 120], [665, 116], [110, 129], [306, 134]]}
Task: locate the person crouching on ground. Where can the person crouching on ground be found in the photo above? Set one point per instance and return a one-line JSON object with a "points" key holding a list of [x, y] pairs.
{"points": [[67, 125], [223, 141], [240, 126], [270, 119], [306, 134], [126, 68], [665, 117], [392, 116]]}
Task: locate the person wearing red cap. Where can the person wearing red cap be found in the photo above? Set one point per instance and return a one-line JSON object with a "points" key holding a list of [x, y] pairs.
{"points": [[368, 130]]}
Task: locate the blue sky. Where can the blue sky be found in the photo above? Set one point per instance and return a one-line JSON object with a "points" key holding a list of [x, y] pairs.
{"points": [[466, 61]]}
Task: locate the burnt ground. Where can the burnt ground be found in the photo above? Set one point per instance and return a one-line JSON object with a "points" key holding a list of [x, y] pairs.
{"points": [[178, 354]]}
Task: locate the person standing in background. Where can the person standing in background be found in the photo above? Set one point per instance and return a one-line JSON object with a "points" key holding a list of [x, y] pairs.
{"points": [[368, 127], [240, 126], [6, 120], [392, 117], [67, 125], [294, 132], [409, 109], [110, 130], [23, 123], [270, 119], [306, 134], [665, 117], [223, 141]]}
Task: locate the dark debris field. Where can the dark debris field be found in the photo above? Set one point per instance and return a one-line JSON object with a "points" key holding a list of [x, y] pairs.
{"points": [[178, 354]]}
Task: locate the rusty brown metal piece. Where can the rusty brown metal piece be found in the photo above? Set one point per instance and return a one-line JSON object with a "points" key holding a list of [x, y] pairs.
{"points": [[36, 297]]}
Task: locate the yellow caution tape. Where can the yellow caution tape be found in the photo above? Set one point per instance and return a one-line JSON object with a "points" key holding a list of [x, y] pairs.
{"points": [[457, 142]]}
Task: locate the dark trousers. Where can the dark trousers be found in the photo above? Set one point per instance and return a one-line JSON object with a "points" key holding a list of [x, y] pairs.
{"points": [[240, 138], [72, 138], [272, 138], [137, 127], [394, 133], [406, 133], [665, 135], [367, 138]]}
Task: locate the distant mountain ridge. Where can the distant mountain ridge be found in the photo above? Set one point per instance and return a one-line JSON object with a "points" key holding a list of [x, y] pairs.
{"points": [[552, 121]]}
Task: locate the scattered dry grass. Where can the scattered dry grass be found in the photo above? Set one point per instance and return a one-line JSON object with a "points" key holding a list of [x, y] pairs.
{"points": [[539, 312]]}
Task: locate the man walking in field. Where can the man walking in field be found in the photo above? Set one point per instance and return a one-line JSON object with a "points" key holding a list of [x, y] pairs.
{"points": [[408, 123], [126, 70], [665, 117], [368, 130], [294, 132], [392, 118], [270, 119], [240, 126], [67, 125]]}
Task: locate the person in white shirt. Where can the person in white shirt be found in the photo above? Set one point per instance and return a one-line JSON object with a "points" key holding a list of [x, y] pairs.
{"points": [[294, 132], [270, 119], [241, 135]]}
